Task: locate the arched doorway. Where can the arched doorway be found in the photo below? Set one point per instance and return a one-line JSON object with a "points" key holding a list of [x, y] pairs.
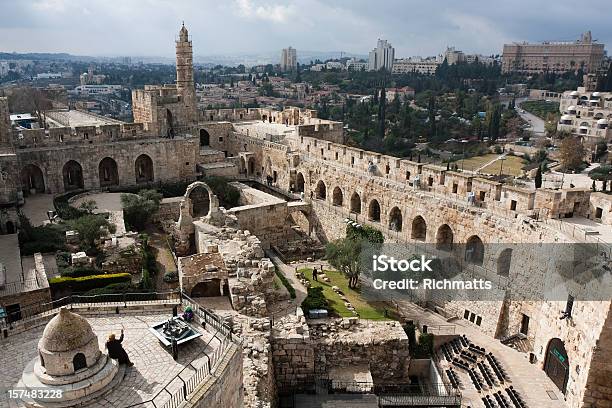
{"points": [[321, 191], [200, 201], [504, 261], [108, 172], [79, 362], [204, 138], [251, 167], [337, 197], [299, 183], [144, 169], [356, 203], [444, 238], [73, 175], [374, 211], [556, 364], [32, 180], [395, 219], [474, 250], [207, 288], [419, 228], [10, 227]]}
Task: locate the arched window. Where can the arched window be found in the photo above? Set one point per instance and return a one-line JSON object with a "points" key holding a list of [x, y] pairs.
{"points": [[79, 362], [444, 238], [395, 219], [374, 211], [419, 229], [108, 172], [204, 137], [337, 197], [299, 183], [356, 203], [73, 175], [144, 169], [321, 190], [474, 250]]}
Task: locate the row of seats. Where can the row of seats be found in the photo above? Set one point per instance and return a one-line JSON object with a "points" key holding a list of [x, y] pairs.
{"points": [[497, 368], [515, 398], [469, 356], [461, 364], [453, 378], [448, 354], [501, 400], [476, 380], [476, 349], [486, 374]]}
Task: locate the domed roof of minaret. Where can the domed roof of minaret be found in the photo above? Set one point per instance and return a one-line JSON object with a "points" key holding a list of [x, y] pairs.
{"points": [[184, 34], [66, 331]]}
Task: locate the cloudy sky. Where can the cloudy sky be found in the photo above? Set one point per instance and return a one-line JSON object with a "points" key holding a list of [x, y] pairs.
{"points": [[414, 27]]}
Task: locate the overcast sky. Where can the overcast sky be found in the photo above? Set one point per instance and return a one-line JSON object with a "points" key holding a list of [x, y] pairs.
{"points": [[414, 27]]}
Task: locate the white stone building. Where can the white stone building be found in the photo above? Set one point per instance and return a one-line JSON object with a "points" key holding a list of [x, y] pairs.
{"points": [[381, 57], [586, 114], [288, 60], [425, 66]]}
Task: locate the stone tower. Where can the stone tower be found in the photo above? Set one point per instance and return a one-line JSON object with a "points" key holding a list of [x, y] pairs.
{"points": [[184, 74]]}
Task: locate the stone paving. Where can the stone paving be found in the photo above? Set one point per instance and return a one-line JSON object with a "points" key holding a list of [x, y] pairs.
{"points": [[36, 207], [153, 367], [107, 202]]}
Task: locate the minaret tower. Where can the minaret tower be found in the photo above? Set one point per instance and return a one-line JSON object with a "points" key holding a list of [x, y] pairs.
{"points": [[184, 72]]}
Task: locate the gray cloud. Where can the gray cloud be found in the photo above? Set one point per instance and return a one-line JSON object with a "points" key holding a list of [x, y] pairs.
{"points": [[414, 27]]}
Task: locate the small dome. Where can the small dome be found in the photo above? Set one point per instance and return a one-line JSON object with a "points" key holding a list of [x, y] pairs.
{"points": [[574, 93], [602, 122], [66, 331], [572, 108], [596, 94], [566, 117]]}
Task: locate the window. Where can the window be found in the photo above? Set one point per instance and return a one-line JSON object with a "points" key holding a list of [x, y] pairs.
{"points": [[513, 205], [430, 181], [482, 195], [466, 314], [220, 138], [407, 175], [455, 188], [472, 317], [598, 212], [478, 320]]}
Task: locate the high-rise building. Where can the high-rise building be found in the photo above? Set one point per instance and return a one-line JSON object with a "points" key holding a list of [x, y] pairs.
{"points": [[453, 56], [381, 57], [557, 57], [288, 59]]}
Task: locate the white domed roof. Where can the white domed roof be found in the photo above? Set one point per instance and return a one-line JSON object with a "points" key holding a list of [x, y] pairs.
{"points": [[572, 108], [566, 117], [602, 122], [66, 331], [574, 93], [596, 94]]}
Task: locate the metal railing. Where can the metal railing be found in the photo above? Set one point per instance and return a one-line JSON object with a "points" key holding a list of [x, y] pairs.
{"points": [[581, 234], [11, 288]]}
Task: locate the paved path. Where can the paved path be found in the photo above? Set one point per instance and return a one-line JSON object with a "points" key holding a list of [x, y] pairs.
{"points": [[36, 207], [501, 156], [537, 124]]}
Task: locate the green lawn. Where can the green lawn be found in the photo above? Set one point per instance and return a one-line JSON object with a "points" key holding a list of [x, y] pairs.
{"points": [[366, 310], [541, 108], [512, 164]]}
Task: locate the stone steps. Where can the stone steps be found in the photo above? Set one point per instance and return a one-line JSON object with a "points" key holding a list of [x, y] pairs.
{"points": [[336, 401]]}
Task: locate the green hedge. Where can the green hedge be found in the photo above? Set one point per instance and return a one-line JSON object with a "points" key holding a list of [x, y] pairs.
{"points": [[86, 283], [372, 235], [315, 299], [79, 271], [64, 209], [286, 282]]}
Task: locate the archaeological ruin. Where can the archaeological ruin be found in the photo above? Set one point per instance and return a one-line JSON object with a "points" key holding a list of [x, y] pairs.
{"points": [[299, 186]]}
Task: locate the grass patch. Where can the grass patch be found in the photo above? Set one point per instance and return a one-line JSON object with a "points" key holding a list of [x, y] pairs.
{"points": [[283, 279], [541, 108], [365, 309], [513, 165], [476, 162]]}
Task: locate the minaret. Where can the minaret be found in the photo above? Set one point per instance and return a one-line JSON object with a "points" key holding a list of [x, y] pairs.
{"points": [[184, 72]]}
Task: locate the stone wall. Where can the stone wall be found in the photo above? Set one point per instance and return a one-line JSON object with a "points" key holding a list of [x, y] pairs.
{"points": [[598, 393]]}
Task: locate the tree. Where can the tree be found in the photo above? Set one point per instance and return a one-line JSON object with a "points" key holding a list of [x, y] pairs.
{"points": [[138, 208], [30, 100], [603, 174], [382, 107], [343, 254], [90, 228], [494, 121], [298, 76], [89, 206], [431, 111], [538, 177], [571, 153]]}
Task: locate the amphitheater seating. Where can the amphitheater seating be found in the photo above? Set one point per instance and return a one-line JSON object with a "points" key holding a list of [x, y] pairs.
{"points": [[476, 380], [486, 373], [501, 400], [497, 368], [469, 356], [476, 349], [453, 378], [461, 364], [515, 398]]}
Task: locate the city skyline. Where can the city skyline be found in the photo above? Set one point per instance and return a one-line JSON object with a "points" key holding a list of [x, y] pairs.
{"points": [[97, 28]]}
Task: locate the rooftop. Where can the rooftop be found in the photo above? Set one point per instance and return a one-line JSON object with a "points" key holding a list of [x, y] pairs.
{"points": [[74, 118]]}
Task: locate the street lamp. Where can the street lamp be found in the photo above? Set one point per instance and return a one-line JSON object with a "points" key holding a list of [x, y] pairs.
{"points": [[501, 167]]}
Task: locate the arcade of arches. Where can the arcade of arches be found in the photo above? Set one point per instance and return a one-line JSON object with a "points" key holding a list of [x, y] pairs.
{"points": [[72, 174], [108, 172], [32, 180]]}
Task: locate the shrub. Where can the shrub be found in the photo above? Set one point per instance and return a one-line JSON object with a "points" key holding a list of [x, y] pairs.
{"points": [[171, 277], [138, 208], [90, 228], [86, 283], [123, 287], [286, 283], [64, 209], [43, 239], [315, 299], [227, 194], [80, 271], [372, 235]]}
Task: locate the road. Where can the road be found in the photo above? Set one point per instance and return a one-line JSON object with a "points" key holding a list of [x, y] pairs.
{"points": [[537, 124]]}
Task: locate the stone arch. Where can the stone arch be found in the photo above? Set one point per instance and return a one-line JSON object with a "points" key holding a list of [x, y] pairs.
{"points": [[251, 166], [209, 288], [374, 211], [356, 203], [108, 172], [299, 183], [144, 169], [72, 173], [32, 179], [321, 190], [419, 228], [444, 238], [556, 363], [204, 138], [79, 362], [337, 197], [395, 219], [503, 262], [200, 196], [474, 250], [10, 227]]}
